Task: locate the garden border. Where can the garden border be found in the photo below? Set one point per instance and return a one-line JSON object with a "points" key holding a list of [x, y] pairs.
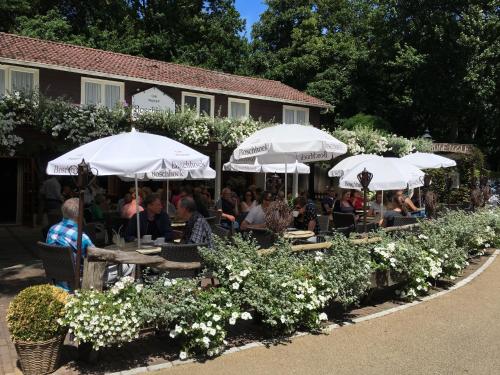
{"points": [[329, 328]]}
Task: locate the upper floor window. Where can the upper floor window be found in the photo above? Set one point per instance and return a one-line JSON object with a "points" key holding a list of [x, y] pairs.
{"points": [[295, 115], [14, 78], [201, 103], [101, 92], [238, 108]]}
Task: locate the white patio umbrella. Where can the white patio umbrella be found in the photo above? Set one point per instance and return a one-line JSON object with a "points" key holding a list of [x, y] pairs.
{"points": [[290, 143], [425, 160], [342, 167], [388, 174], [131, 154]]}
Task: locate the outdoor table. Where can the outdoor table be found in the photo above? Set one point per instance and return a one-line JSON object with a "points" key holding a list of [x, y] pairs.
{"points": [[132, 246], [299, 234]]}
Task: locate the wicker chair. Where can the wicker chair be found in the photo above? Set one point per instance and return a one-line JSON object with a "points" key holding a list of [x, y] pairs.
{"points": [[57, 262], [221, 232], [342, 220], [181, 253], [264, 237], [400, 221]]}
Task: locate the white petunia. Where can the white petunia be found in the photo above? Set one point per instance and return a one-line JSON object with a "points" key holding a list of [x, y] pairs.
{"points": [[235, 286], [323, 316], [246, 315], [232, 321], [183, 355]]}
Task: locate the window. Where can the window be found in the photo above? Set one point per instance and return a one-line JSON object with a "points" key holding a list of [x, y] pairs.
{"points": [[202, 104], [101, 92], [13, 78], [295, 115], [238, 108]]}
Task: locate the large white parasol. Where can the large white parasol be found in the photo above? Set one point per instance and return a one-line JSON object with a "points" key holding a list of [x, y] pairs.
{"points": [[132, 154], [290, 143], [388, 174], [348, 163], [425, 160]]}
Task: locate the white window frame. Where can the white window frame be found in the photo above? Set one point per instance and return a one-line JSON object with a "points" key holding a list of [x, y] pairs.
{"points": [[198, 96], [8, 80], [295, 109], [103, 83], [238, 100]]}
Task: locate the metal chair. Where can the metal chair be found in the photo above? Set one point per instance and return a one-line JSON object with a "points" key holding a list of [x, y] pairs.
{"points": [[324, 222], [400, 221], [342, 220], [58, 263], [181, 253]]}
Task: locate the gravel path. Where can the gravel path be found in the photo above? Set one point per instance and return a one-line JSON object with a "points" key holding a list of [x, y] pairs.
{"points": [[458, 333]]}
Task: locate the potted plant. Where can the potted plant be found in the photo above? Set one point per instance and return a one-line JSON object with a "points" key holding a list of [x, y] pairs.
{"points": [[33, 321]]}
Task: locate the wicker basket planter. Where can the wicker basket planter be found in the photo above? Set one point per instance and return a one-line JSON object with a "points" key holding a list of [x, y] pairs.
{"points": [[39, 358]]}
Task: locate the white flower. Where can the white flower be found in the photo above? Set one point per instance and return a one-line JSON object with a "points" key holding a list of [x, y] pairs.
{"points": [[167, 282], [229, 304], [232, 321], [206, 340], [235, 286], [195, 326], [244, 273], [283, 319], [246, 315], [138, 288], [216, 318], [183, 355], [173, 334], [178, 329], [323, 316], [391, 246], [235, 315]]}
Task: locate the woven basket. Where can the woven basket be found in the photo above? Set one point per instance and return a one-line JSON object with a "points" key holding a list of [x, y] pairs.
{"points": [[38, 358]]}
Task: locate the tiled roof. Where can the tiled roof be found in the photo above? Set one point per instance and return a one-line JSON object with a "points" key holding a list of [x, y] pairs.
{"points": [[37, 51]]}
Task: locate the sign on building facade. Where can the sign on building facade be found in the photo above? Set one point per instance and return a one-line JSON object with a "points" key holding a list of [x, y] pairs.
{"points": [[151, 100]]}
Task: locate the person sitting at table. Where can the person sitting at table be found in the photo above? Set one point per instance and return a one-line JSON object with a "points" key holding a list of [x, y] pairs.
{"points": [[376, 207], [305, 216], [200, 201], [328, 201], [152, 221], [248, 201], [343, 205], [398, 210], [407, 201], [197, 229], [357, 199], [256, 217], [129, 208], [227, 204], [98, 207]]}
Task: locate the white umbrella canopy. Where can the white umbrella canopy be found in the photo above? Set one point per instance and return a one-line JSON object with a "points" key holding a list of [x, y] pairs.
{"points": [[388, 174], [130, 153], [348, 163], [251, 165], [174, 174], [425, 160], [288, 143]]}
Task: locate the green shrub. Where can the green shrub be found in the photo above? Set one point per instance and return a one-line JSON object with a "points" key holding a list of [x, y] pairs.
{"points": [[33, 314]]}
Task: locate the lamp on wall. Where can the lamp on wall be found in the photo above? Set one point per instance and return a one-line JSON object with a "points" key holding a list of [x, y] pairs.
{"points": [[427, 135]]}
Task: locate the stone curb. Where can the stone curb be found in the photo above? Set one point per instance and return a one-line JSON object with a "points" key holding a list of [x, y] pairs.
{"points": [[327, 329]]}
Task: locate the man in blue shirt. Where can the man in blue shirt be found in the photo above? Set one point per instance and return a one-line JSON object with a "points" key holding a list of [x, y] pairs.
{"points": [[65, 233]]}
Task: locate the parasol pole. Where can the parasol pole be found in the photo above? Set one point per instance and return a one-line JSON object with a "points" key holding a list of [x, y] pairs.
{"points": [[137, 212]]}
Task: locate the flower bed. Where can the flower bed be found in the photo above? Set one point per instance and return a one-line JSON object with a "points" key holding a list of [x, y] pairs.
{"points": [[282, 291]]}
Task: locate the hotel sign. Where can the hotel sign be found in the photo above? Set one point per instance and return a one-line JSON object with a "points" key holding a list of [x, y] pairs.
{"points": [[151, 100]]}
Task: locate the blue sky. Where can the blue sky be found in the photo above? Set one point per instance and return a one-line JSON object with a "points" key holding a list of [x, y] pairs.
{"points": [[250, 11]]}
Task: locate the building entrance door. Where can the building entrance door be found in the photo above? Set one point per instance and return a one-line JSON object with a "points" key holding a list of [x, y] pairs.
{"points": [[8, 180]]}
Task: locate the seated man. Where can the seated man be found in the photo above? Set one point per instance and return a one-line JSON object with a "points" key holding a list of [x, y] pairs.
{"points": [[197, 229], [305, 216], [256, 216], [152, 221], [65, 234], [327, 202]]}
